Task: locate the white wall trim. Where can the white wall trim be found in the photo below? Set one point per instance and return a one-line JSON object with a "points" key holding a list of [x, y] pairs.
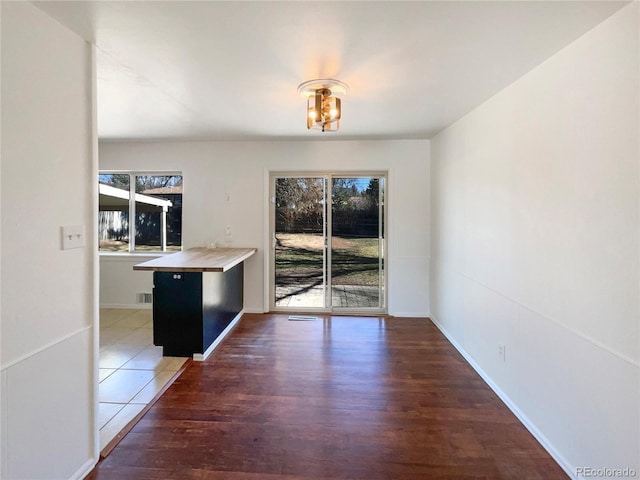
{"points": [[254, 310], [390, 259], [568, 468], [197, 357], [85, 469], [3, 427], [558, 323], [3, 386], [37, 351], [266, 215], [424, 315], [136, 306], [95, 301]]}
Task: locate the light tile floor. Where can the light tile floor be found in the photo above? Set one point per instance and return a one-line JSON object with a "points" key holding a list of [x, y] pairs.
{"points": [[132, 370]]}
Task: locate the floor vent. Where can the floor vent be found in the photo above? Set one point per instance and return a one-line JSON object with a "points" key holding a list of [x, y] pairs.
{"points": [[145, 298], [301, 318]]}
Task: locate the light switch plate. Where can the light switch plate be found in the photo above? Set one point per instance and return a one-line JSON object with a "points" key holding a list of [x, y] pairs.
{"points": [[73, 236]]}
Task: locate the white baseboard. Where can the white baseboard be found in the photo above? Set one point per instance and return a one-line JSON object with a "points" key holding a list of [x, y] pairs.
{"points": [[568, 468], [198, 357], [410, 314], [85, 469], [254, 310], [138, 306]]}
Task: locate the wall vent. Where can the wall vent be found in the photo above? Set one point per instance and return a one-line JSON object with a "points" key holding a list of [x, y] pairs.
{"points": [[144, 298]]}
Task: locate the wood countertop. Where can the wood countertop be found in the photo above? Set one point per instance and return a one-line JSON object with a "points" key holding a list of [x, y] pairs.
{"points": [[198, 260]]}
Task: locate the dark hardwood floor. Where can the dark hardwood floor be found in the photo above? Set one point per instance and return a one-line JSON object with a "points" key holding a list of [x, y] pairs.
{"points": [[333, 398]]}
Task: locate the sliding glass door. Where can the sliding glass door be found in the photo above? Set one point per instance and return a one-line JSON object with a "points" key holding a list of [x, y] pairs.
{"points": [[328, 242], [299, 242], [357, 239]]}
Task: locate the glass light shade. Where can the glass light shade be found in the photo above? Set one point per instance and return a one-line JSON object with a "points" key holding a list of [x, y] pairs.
{"points": [[324, 108], [323, 111]]}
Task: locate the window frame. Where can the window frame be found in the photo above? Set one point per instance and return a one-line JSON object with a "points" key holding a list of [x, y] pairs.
{"points": [[132, 210]]}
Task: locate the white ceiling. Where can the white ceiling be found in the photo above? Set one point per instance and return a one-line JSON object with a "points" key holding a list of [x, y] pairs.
{"points": [[229, 70]]}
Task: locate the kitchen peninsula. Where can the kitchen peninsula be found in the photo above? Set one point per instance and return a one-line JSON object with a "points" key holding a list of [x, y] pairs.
{"points": [[197, 297]]}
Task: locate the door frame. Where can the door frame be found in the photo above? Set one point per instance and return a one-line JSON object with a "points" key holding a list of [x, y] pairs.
{"points": [[270, 235]]}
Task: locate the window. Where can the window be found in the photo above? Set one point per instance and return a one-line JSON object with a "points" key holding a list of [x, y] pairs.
{"points": [[153, 201]]}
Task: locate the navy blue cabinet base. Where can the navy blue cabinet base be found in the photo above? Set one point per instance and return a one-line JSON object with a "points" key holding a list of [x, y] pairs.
{"points": [[191, 309], [197, 294]]}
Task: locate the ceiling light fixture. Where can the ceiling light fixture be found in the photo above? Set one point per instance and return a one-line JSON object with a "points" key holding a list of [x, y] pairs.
{"points": [[324, 108]]}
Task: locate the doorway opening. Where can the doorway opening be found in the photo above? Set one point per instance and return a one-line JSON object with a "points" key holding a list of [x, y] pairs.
{"points": [[328, 242]]}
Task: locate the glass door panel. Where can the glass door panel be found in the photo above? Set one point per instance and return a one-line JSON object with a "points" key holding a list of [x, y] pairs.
{"points": [[356, 257], [299, 242], [325, 258]]}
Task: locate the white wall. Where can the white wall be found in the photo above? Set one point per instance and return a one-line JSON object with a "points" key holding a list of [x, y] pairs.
{"points": [[212, 169], [122, 293], [47, 172], [535, 245]]}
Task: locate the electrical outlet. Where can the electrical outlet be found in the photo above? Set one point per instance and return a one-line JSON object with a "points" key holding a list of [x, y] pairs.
{"points": [[227, 198]]}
